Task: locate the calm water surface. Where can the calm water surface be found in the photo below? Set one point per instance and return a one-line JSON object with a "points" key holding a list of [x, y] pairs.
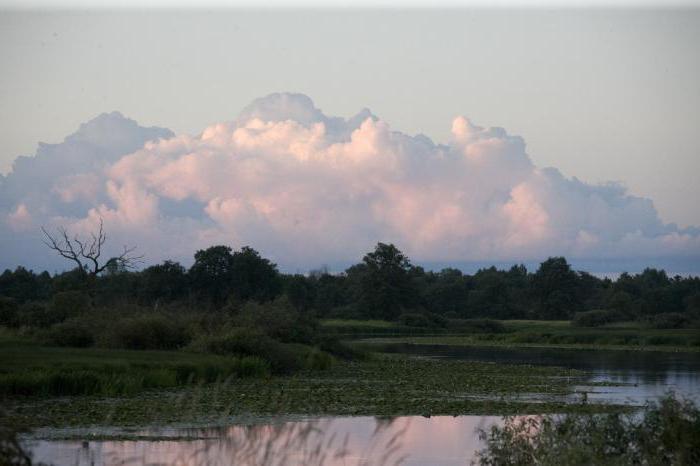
{"points": [[347, 441], [351, 441], [644, 375]]}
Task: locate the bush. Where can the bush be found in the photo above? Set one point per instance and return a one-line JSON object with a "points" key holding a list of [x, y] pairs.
{"points": [[156, 332], [319, 360], [283, 358], [339, 349], [34, 314], [9, 315], [72, 333], [277, 319], [280, 357], [482, 326], [414, 319], [669, 320], [595, 318], [666, 433]]}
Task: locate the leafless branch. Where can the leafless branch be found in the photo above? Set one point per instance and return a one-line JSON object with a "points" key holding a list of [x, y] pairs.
{"points": [[86, 254]]}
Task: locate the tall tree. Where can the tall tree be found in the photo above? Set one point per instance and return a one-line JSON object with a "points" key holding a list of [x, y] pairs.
{"points": [[554, 285], [212, 273], [254, 277], [385, 283]]}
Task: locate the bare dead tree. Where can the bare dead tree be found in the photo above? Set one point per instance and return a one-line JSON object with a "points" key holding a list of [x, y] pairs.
{"points": [[86, 253]]}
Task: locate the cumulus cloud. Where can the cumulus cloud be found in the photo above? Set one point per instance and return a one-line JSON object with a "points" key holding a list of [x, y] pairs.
{"points": [[306, 188]]}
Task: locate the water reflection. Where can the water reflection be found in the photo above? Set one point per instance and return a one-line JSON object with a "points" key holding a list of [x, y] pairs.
{"points": [[346, 441], [646, 375], [354, 441]]}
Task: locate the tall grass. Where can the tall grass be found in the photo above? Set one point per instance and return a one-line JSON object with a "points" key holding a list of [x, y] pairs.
{"points": [[28, 369], [665, 433]]}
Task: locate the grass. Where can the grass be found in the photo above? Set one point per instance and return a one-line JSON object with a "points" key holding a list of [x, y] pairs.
{"points": [[27, 369], [386, 385], [351, 328], [43, 386], [561, 334], [344, 323], [666, 432]]}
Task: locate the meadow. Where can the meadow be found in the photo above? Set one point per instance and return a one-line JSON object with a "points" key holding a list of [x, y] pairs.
{"points": [[524, 333], [218, 388]]}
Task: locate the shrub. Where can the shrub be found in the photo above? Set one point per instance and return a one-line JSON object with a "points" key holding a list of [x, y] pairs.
{"points": [[34, 314], [144, 332], [484, 326], [669, 320], [73, 333], [277, 319], [70, 303], [319, 360], [595, 318], [665, 340], [339, 349], [350, 311], [252, 366], [283, 358], [414, 319], [667, 432], [9, 315]]}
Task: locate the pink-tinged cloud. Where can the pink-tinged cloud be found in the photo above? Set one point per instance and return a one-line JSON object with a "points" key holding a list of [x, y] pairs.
{"points": [[307, 189]]}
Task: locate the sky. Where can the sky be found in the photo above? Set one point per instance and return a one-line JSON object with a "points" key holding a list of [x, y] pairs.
{"points": [[599, 94]]}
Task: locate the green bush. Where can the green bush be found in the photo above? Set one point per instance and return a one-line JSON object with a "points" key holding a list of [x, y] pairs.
{"points": [[531, 337], [339, 349], [479, 326], [70, 303], [414, 319], [281, 357], [35, 314], [669, 320], [145, 332], [319, 360], [595, 318], [666, 433], [74, 333], [277, 319], [9, 314], [125, 378]]}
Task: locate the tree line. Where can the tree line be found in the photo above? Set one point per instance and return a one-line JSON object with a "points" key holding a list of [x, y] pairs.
{"points": [[384, 285]]}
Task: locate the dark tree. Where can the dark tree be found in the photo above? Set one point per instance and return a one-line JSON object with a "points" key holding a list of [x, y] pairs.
{"points": [[385, 284], [163, 282], [217, 273], [212, 273], [300, 292], [254, 277], [24, 285], [554, 286]]}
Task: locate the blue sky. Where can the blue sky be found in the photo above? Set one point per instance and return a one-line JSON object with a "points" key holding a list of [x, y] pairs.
{"points": [[599, 94]]}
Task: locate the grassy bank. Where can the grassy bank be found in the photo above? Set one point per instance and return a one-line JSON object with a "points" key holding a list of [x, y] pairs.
{"points": [[552, 334], [383, 385], [28, 369]]}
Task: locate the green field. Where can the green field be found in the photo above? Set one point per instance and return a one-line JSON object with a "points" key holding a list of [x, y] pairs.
{"points": [[28, 369], [537, 333]]}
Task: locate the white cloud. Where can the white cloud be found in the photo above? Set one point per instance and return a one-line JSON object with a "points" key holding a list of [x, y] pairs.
{"points": [[307, 189]]}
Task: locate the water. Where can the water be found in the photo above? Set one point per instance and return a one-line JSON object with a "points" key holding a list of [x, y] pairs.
{"points": [[346, 441], [354, 441], [644, 375]]}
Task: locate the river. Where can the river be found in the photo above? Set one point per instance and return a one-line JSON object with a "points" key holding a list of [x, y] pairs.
{"points": [[630, 377]]}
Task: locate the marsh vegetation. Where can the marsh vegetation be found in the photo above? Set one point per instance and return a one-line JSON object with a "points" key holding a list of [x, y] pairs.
{"points": [[232, 336]]}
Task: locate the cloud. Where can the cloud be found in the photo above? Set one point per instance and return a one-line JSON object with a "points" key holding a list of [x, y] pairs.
{"points": [[307, 189]]}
